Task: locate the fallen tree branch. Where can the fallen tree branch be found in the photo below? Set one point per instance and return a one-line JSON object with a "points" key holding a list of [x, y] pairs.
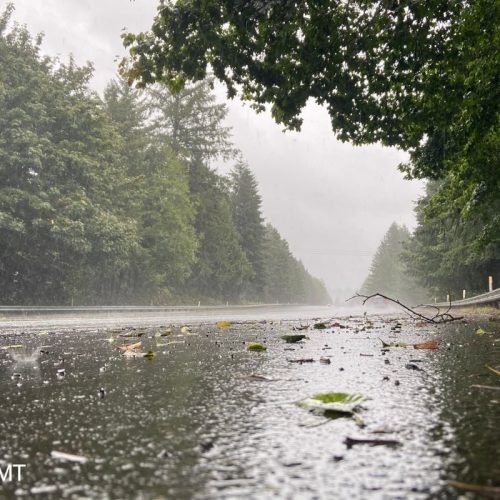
{"points": [[438, 318]]}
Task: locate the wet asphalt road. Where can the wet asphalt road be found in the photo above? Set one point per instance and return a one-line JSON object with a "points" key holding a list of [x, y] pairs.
{"points": [[206, 418]]}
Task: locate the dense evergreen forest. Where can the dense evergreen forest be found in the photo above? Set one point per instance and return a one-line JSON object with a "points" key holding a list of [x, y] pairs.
{"points": [[444, 256], [114, 200], [456, 245], [420, 76], [388, 273]]}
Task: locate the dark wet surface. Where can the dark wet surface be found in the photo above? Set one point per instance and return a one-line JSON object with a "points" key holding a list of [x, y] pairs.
{"points": [[199, 421]]}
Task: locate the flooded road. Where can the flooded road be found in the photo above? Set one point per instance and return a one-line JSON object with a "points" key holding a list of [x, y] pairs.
{"points": [[207, 418], [95, 317]]}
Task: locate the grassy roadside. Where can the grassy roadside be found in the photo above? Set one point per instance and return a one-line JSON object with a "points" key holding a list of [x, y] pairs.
{"points": [[479, 312]]}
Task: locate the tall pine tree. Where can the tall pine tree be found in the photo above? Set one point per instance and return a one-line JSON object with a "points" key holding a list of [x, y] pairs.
{"points": [[247, 216], [222, 269]]}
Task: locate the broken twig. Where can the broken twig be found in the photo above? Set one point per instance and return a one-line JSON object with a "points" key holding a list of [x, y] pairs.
{"points": [[437, 319]]}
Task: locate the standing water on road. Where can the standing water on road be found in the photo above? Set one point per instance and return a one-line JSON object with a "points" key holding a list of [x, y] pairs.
{"points": [[204, 417]]}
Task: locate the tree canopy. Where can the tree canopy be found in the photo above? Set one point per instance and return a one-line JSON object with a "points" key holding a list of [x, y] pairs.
{"points": [[422, 76]]}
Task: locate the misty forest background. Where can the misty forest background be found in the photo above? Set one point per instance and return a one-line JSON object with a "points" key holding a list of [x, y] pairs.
{"points": [[114, 200]]}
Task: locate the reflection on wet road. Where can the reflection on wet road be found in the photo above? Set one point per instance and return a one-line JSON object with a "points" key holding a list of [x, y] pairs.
{"points": [[206, 418]]}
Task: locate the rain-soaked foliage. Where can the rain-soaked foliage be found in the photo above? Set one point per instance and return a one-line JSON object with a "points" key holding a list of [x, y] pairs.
{"points": [[113, 200]]}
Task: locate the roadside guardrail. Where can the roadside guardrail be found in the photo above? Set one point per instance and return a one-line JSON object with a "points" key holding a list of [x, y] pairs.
{"points": [[489, 298]]}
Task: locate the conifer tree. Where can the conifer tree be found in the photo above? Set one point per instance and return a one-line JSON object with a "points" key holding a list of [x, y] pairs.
{"points": [[247, 216], [222, 270]]}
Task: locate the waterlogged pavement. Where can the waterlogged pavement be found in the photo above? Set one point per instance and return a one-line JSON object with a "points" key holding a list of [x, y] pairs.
{"points": [[203, 417]]}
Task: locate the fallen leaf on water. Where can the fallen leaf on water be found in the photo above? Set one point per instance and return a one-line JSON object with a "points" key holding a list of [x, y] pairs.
{"points": [[320, 326], [290, 339], [185, 329], [149, 355], [430, 344], [324, 361], [223, 324], [129, 347], [163, 333], [255, 346], [332, 403], [496, 372], [15, 346]]}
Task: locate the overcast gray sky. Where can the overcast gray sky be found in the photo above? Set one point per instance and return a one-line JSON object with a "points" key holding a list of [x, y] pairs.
{"points": [[333, 202]]}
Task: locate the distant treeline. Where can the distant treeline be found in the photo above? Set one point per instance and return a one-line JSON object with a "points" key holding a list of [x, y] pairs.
{"points": [[388, 273], [445, 255], [113, 200]]}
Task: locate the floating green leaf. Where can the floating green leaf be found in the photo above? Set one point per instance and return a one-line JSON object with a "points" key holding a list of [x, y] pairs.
{"points": [[163, 333], [480, 331], [320, 326], [293, 338], [331, 403], [223, 324], [255, 346], [149, 355]]}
